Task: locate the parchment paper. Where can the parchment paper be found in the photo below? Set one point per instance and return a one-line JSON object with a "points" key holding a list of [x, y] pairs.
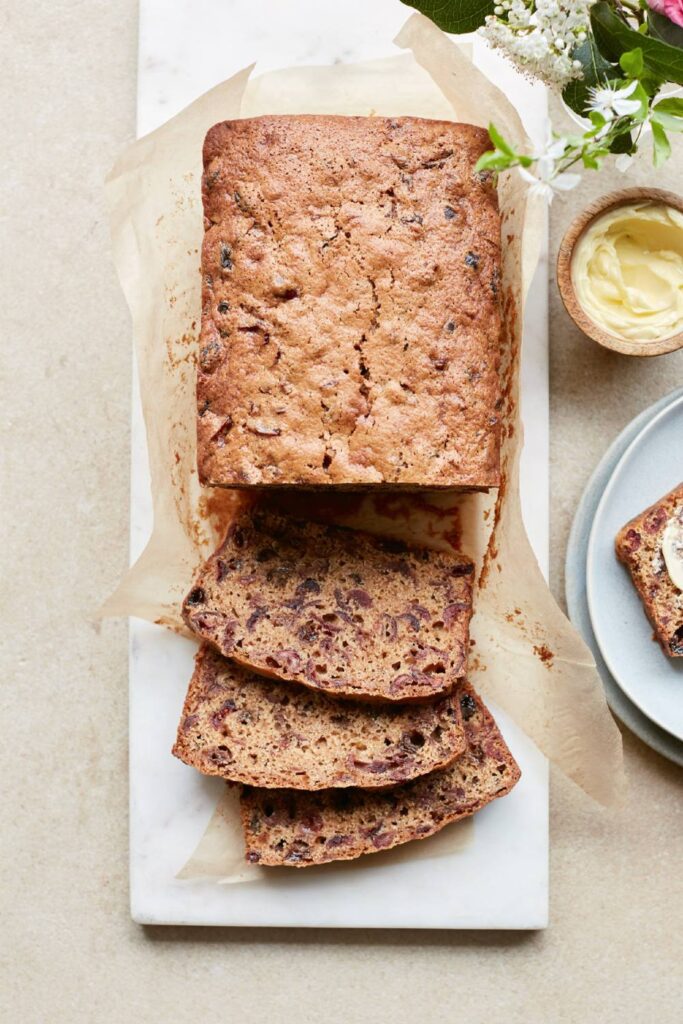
{"points": [[526, 656]]}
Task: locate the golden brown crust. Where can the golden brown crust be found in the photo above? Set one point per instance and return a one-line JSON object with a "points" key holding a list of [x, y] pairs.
{"points": [[289, 829], [262, 732], [335, 609], [350, 310], [639, 546]]}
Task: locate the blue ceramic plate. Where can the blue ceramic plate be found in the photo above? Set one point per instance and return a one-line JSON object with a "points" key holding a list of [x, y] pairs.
{"points": [[651, 465], [575, 586]]}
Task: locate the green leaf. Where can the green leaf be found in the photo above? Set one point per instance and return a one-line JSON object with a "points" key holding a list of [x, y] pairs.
{"points": [[669, 114], [662, 146], [671, 124], [672, 105], [650, 83], [662, 28], [614, 37], [622, 143], [456, 16], [632, 63], [595, 70], [593, 158], [644, 100], [598, 120], [499, 142], [493, 161]]}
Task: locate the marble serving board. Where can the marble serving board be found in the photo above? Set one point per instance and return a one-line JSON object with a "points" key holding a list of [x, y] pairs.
{"points": [[496, 875]]}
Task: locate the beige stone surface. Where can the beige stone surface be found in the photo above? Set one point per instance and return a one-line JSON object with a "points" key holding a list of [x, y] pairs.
{"points": [[70, 952]]}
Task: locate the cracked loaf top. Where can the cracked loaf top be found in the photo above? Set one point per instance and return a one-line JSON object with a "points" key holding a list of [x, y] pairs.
{"points": [[350, 308]]}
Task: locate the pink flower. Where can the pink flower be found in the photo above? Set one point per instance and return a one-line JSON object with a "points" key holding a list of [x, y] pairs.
{"points": [[671, 9]]}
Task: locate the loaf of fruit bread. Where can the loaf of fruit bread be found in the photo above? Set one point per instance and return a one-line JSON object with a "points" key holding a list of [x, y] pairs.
{"points": [[335, 609], [258, 731], [651, 546], [351, 317], [285, 827]]}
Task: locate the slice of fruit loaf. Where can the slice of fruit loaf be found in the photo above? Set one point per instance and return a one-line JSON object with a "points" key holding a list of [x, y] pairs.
{"points": [[335, 609], [651, 547], [293, 829], [259, 731]]}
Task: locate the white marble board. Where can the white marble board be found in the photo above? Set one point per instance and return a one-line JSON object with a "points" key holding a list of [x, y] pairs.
{"points": [[498, 875]]}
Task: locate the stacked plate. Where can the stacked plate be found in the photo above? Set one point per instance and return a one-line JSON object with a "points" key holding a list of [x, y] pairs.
{"points": [[644, 687]]}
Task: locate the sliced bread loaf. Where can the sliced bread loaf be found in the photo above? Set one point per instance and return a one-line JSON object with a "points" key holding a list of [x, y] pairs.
{"points": [[294, 829], [335, 609], [259, 731]]}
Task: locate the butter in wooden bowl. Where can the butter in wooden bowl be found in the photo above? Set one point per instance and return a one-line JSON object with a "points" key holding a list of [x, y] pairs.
{"points": [[620, 271]]}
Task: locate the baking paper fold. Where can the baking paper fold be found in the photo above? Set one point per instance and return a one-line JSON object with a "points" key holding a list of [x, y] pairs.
{"points": [[526, 655]]}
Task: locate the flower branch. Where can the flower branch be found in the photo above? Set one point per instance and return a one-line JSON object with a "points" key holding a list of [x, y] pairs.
{"points": [[614, 62]]}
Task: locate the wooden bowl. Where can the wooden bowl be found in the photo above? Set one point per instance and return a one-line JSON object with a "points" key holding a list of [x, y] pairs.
{"points": [[656, 347]]}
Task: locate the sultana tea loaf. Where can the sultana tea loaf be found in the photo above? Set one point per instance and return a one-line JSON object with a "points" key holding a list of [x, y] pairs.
{"points": [[351, 316]]}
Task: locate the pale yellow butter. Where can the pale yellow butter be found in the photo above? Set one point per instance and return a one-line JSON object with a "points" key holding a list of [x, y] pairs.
{"points": [[627, 271], [672, 551]]}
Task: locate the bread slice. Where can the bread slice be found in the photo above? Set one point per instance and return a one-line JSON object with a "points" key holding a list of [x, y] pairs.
{"points": [[259, 731], [335, 609], [292, 829], [639, 546]]}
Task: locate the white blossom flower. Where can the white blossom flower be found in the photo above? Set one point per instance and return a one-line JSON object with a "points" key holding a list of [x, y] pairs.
{"points": [[539, 36], [613, 103], [548, 186], [553, 150], [547, 181]]}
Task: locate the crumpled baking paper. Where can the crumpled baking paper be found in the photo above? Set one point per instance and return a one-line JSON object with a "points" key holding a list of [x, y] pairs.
{"points": [[526, 655]]}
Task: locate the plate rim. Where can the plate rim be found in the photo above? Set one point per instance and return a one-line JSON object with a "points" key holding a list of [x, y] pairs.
{"points": [[658, 740], [612, 461]]}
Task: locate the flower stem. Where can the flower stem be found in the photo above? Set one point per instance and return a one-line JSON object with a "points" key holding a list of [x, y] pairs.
{"points": [[631, 9]]}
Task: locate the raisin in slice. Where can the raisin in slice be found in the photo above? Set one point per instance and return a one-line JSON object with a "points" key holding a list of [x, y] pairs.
{"points": [[226, 256], [676, 641], [468, 706]]}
